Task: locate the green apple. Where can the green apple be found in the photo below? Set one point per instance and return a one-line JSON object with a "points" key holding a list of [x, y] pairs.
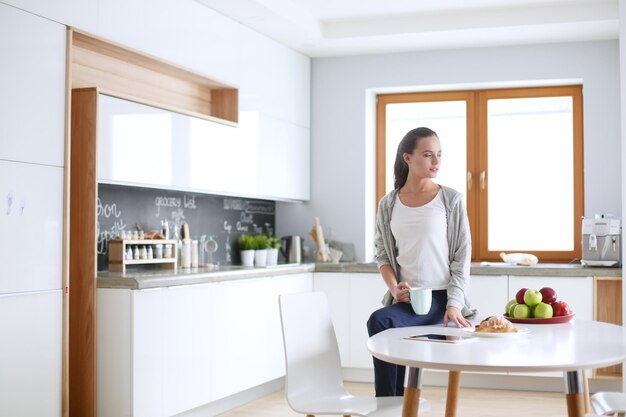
{"points": [[543, 311], [532, 297], [511, 308], [521, 311], [513, 301]]}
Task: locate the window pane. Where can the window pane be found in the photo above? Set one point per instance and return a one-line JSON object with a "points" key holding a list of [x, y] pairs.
{"points": [[530, 174], [448, 119]]}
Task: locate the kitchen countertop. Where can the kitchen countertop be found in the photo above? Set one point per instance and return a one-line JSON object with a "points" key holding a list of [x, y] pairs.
{"points": [[136, 280], [556, 270], [157, 278]]}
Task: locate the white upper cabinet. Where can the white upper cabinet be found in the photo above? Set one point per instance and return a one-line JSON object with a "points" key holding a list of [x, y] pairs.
{"points": [[82, 14], [31, 221], [32, 82], [147, 146]]}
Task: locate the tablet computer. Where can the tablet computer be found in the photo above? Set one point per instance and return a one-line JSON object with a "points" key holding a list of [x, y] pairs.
{"points": [[443, 338]]}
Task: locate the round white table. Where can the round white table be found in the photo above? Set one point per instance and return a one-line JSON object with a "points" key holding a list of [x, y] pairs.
{"points": [[569, 347]]}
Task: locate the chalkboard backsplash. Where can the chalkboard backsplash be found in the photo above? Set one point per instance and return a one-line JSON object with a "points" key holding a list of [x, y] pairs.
{"points": [[225, 218]]}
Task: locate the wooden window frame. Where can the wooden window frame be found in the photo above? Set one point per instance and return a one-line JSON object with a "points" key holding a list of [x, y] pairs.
{"points": [[477, 158]]}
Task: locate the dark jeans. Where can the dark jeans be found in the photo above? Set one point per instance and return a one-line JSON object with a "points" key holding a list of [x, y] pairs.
{"points": [[389, 378]]}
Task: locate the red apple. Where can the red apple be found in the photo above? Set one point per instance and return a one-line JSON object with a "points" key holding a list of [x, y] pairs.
{"points": [[549, 295], [519, 297], [561, 308]]}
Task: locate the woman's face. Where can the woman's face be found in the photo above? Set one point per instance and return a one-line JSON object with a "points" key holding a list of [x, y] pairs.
{"points": [[426, 158]]}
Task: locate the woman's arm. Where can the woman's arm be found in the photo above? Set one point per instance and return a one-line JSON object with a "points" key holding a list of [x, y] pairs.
{"points": [[459, 268], [400, 291]]}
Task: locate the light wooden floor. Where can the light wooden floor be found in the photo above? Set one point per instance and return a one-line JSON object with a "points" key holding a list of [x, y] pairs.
{"points": [[472, 403]]}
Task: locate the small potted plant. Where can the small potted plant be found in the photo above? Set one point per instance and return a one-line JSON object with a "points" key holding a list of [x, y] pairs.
{"points": [[261, 244], [274, 244], [247, 245]]}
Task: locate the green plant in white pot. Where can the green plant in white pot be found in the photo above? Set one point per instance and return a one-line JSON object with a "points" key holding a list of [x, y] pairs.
{"points": [[260, 253], [274, 244], [247, 245]]}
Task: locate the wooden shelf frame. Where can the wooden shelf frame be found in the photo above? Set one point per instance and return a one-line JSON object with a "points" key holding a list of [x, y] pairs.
{"points": [[137, 76]]}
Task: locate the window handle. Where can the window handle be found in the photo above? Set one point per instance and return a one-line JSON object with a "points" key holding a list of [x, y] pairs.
{"points": [[482, 180], [469, 180]]}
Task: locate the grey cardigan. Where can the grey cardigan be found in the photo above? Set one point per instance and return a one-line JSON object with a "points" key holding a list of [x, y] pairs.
{"points": [[459, 243]]}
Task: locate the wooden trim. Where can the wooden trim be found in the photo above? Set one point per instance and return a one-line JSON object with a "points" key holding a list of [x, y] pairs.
{"points": [[83, 195], [97, 62], [607, 308], [65, 279], [578, 169], [381, 164]]}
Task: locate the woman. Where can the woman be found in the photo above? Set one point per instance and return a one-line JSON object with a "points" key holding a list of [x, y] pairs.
{"points": [[422, 240]]}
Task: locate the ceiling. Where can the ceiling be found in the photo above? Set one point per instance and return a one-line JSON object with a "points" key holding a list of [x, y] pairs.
{"points": [[320, 28]]}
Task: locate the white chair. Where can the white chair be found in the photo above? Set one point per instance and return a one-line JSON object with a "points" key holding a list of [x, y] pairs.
{"points": [[314, 383], [609, 403]]}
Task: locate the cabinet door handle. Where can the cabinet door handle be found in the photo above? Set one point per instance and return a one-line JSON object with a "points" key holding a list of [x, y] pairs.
{"points": [[469, 180], [482, 180]]}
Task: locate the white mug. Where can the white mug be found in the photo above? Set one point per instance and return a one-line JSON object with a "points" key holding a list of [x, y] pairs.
{"points": [[421, 300]]}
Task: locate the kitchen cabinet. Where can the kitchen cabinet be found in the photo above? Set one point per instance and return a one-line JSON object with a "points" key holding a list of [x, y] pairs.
{"points": [[147, 146], [367, 293], [336, 286], [167, 350], [488, 294], [352, 298], [30, 354], [76, 13], [32, 226], [32, 81]]}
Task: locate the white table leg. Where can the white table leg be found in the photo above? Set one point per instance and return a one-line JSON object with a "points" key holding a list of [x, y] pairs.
{"points": [[412, 390], [574, 393]]}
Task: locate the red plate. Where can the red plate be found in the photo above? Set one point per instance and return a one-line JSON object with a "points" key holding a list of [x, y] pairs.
{"points": [[551, 320]]}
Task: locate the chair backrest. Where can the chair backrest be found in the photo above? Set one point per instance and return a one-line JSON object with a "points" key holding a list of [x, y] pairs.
{"points": [[311, 352]]}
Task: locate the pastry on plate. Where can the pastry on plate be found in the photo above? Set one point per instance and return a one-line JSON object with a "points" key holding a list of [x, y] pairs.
{"points": [[496, 324]]}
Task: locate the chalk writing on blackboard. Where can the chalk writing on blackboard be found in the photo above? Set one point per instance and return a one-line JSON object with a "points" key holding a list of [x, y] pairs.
{"points": [[108, 211]]}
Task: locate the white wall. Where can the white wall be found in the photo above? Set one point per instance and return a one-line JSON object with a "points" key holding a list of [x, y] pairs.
{"points": [[342, 191]]}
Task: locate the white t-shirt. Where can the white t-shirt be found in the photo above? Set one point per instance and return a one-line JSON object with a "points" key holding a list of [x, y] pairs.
{"points": [[422, 243]]}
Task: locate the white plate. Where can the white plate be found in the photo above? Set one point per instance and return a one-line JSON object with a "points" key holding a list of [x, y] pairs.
{"points": [[520, 331]]}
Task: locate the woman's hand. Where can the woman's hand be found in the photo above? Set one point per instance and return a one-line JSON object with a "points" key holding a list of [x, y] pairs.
{"points": [[401, 293], [454, 315]]}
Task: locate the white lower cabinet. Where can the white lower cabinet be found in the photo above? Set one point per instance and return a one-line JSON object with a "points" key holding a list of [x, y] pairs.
{"points": [[167, 350], [367, 293], [30, 354], [488, 294], [336, 286], [352, 298]]}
